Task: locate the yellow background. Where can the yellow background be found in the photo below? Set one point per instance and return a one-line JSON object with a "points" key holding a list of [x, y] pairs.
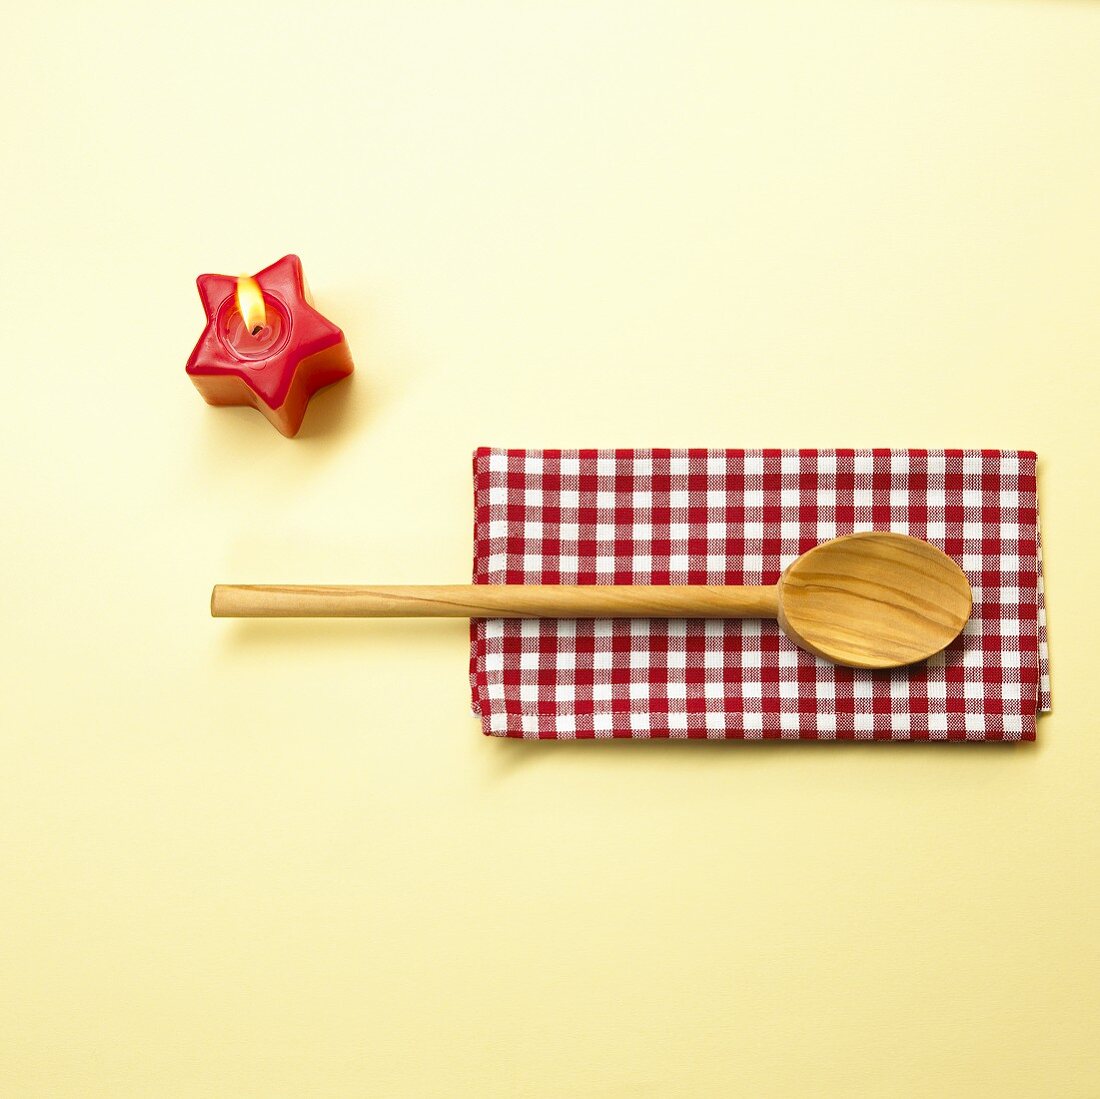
{"points": [[279, 859]]}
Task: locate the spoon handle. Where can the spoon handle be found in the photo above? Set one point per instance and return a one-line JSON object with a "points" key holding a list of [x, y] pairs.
{"points": [[493, 601]]}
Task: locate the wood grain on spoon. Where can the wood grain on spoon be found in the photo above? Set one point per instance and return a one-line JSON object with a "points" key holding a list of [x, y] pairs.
{"points": [[493, 601], [878, 601], [869, 600]]}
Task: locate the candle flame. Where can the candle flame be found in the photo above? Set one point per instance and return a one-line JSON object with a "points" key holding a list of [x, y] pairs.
{"points": [[250, 301]]}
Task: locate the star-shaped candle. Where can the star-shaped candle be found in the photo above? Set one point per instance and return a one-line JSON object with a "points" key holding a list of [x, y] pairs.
{"points": [[265, 345]]}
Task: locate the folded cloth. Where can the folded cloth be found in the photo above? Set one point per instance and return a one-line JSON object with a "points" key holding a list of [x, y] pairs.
{"points": [[740, 517]]}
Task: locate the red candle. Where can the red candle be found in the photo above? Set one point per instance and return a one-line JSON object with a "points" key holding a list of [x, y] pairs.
{"points": [[265, 345]]}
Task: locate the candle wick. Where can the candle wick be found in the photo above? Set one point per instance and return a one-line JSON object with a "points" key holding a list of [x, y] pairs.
{"points": [[257, 330]]}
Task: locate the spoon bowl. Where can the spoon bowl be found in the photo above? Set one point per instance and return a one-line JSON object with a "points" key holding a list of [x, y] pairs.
{"points": [[874, 600]]}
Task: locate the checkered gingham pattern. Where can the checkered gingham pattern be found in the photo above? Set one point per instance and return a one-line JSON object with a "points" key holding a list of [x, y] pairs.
{"points": [[740, 517]]}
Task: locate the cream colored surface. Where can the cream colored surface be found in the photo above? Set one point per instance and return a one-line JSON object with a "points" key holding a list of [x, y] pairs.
{"points": [[279, 859]]}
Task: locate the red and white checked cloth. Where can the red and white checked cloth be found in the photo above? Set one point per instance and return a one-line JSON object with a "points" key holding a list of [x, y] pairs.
{"points": [[740, 517]]}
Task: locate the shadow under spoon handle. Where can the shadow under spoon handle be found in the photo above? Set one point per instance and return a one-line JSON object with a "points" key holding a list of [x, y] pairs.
{"points": [[493, 601]]}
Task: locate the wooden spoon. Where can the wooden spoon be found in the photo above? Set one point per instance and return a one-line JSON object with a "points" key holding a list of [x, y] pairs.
{"points": [[870, 600]]}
